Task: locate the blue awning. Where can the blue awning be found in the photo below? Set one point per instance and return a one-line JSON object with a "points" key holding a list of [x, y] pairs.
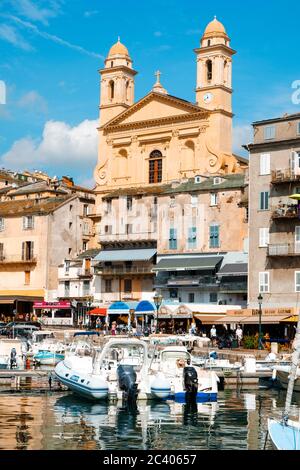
{"points": [[145, 308], [118, 308], [126, 255]]}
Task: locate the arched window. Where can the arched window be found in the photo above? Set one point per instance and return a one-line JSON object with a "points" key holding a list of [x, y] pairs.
{"points": [[209, 67], [127, 90], [111, 89], [208, 42], [111, 64], [155, 167], [225, 71]]}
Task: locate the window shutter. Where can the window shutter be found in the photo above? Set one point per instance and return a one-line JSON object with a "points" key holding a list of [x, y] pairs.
{"points": [[23, 251], [265, 164], [31, 250]]}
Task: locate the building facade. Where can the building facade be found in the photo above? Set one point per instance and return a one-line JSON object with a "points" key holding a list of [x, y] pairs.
{"points": [[41, 224], [274, 225]]}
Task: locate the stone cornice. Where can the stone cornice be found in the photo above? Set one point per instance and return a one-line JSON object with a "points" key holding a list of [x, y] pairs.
{"points": [[192, 108], [274, 144], [117, 69], [155, 122], [213, 48]]}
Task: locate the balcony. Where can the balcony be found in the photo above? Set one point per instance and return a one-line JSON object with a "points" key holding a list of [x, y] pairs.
{"points": [[285, 176], [121, 237], [284, 249], [84, 272], [285, 212], [17, 259], [123, 270], [234, 287], [192, 281]]}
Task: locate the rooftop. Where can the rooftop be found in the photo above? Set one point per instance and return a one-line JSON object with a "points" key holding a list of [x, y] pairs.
{"points": [[30, 206]]}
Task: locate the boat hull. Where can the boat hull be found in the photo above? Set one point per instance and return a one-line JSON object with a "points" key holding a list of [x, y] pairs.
{"points": [[83, 384], [49, 359], [283, 378], [284, 436]]}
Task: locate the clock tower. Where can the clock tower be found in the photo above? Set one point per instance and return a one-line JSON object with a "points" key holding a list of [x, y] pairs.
{"points": [[214, 76]]}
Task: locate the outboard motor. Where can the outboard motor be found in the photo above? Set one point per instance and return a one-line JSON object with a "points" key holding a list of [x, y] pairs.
{"points": [[13, 358], [190, 381], [127, 381]]}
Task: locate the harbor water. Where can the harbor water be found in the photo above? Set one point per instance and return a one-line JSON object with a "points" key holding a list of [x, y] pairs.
{"points": [[31, 420]]}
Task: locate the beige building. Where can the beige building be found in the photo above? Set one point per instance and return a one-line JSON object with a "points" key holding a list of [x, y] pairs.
{"points": [[274, 256], [41, 224], [166, 176], [162, 138]]}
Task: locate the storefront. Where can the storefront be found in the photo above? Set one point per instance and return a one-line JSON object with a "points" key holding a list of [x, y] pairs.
{"points": [[172, 320], [54, 313]]}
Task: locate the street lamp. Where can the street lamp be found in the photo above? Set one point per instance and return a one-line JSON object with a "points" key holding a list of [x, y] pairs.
{"points": [[89, 303], [260, 299], [158, 301]]}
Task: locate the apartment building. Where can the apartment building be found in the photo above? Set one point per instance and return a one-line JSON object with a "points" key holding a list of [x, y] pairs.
{"points": [[41, 224], [274, 225]]}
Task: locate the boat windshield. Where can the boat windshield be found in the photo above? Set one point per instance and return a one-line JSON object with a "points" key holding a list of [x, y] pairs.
{"points": [[171, 356], [130, 355]]}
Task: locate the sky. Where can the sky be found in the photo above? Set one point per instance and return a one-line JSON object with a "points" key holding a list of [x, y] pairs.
{"points": [[51, 51]]}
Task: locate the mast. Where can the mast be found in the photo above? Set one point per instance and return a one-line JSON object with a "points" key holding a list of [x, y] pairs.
{"points": [[293, 373]]}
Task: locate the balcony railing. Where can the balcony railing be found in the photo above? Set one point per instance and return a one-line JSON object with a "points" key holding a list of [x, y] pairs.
{"points": [[285, 211], [108, 237], [233, 287], [285, 176], [284, 249], [10, 259], [84, 272], [124, 270], [192, 281]]}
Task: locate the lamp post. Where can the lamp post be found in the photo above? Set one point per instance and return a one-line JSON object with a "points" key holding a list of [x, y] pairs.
{"points": [[260, 299], [131, 313], [89, 303], [158, 301]]}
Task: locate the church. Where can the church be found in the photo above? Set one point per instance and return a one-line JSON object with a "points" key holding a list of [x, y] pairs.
{"points": [[162, 138], [170, 191]]}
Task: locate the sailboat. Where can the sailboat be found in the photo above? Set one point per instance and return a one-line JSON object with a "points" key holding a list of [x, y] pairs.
{"points": [[285, 434]]}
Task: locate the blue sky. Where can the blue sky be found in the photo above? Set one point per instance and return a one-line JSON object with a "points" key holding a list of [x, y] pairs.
{"points": [[51, 50]]}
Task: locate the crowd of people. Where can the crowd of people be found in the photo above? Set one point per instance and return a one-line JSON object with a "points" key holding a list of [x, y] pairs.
{"points": [[227, 338]]}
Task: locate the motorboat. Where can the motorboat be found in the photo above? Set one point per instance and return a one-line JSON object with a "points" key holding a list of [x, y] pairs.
{"points": [[282, 373], [120, 368], [45, 348], [175, 377], [12, 353]]}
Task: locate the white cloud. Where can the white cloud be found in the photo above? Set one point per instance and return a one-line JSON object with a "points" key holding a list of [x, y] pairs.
{"points": [[41, 10], [51, 37], [242, 135], [60, 146], [88, 14], [9, 34], [33, 101]]}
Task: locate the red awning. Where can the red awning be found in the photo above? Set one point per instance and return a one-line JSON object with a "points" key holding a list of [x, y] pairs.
{"points": [[100, 312]]}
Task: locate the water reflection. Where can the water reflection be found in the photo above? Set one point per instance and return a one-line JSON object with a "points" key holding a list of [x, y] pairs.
{"points": [[237, 421]]}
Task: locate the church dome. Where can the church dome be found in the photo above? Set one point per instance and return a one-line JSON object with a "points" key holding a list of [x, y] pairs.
{"points": [[215, 28], [118, 49]]}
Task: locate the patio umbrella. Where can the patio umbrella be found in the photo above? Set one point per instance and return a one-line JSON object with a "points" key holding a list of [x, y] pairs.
{"points": [[295, 196]]}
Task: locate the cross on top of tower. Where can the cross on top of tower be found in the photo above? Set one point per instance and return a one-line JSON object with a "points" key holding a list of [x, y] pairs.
{"points": [[158, 74]]}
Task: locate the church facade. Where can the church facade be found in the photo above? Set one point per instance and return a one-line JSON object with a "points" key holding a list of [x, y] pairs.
{"points": [[162, 138], [167, 182]]}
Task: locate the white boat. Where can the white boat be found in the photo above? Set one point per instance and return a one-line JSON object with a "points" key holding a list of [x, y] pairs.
{"points": [[45, 348], [12, 353], [120, 368], [285, 434], [174, 377], [282, 374]]}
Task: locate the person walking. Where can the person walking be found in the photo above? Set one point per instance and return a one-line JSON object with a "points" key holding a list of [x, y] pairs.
{"points": [[239, 335], [213, 335]]}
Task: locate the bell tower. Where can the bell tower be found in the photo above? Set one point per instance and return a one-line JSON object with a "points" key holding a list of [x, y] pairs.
{"points": [[214, 78], [117, 83]]}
